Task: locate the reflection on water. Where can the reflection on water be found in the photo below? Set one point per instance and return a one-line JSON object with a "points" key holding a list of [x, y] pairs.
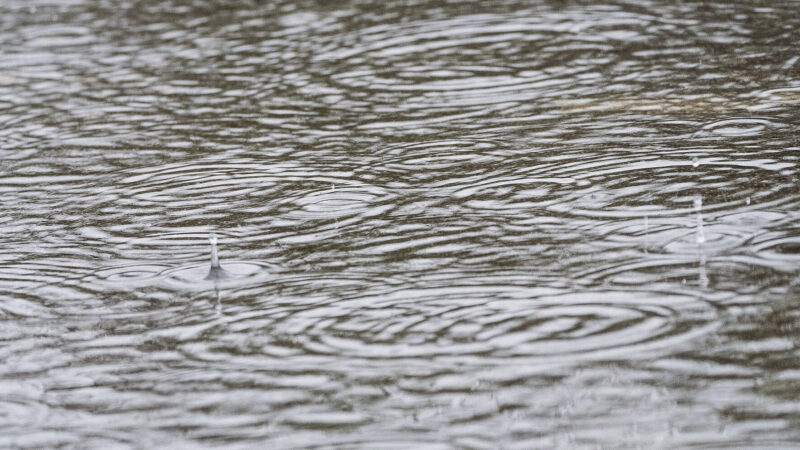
{"points": [[470, 224]]}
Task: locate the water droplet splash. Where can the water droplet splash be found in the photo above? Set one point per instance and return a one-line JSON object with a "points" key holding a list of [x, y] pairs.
{"points": [[195, 276], [215, 272]]}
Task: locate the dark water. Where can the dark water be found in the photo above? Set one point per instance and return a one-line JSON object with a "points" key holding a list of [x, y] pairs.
{"points": [[446, 224]]}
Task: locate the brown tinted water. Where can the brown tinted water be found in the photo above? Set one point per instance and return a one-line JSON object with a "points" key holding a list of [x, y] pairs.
{"points": [[442, 224]]}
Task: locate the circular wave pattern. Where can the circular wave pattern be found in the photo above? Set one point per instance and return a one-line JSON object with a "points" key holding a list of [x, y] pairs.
{"points": [[466, 68], [337, 202], [624, 187], [188, 277], [740, 127], [443, 223], [472, 322]]}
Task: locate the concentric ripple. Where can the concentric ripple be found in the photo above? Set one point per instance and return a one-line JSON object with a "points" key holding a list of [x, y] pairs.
{"points": [[424, 64], [466, 322], [446, 224], [614, 186], [741, 126], [173, 274], [336, 202], [187, 277]]}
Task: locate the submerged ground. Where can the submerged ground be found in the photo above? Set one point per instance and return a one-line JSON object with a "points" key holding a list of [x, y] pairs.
{"points": [[465, 224]]}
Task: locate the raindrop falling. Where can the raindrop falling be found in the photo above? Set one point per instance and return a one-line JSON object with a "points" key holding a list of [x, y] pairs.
{"points": [[698, 208], [702, 275], [218, 303], [786, 66], [748, 201], [695, 162]]}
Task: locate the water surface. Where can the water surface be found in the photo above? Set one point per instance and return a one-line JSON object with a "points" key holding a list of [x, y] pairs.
{"points": [[450, 224]]}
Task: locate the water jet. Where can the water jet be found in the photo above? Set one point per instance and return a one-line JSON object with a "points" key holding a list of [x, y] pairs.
{"points": [[215, 272]]}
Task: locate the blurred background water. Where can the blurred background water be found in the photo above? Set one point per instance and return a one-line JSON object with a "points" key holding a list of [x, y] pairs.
{"points": [[506, 224]]}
